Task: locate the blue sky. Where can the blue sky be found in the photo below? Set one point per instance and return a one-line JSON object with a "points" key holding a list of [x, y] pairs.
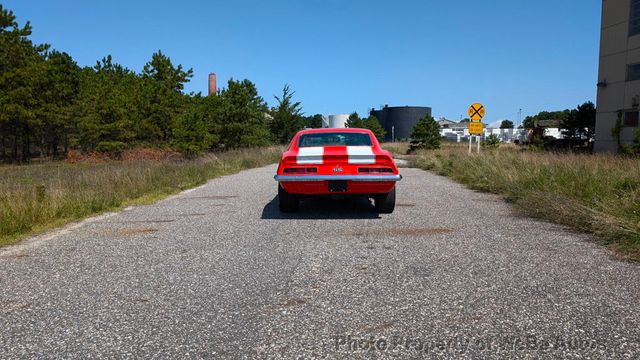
{"points": [[342, 56]]}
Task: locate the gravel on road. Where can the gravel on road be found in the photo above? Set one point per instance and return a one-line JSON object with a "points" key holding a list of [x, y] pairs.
{"points": [[219, 272]]}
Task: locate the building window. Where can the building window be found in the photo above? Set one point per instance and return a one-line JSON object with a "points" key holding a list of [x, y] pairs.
{"points": [[630, 119], [634, 19], [633, 72]]}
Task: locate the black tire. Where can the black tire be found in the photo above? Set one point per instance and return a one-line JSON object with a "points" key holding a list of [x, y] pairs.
{"points": [[288, 203], [386, 203]]}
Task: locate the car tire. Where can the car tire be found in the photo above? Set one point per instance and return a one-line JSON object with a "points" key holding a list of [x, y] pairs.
{"points": [[386, 203], [288, 203]]}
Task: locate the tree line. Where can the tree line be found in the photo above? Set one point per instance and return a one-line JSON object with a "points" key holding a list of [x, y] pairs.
{"points": [[577, 125], [49, 105]]}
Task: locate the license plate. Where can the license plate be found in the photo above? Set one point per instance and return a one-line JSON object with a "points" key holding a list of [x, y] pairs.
{"points": [[337, 186]]}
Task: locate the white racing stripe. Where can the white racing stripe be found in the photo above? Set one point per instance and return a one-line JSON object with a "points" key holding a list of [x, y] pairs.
{"points": [[310, 155], [361, 155]]}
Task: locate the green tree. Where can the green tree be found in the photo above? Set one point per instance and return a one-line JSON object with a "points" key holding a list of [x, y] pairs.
{"points": [[21, 64], [49, 104], [354, 121], [191, 136], [506, 124], [425, 134], [164, 101], [373, 124], [580, 123], [287, 117], [530, 121], [241, 116], [313, 122], [59, 91], [109, 106]]}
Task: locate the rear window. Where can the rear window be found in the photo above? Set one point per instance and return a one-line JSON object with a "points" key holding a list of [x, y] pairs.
{"points": [[334, 139]]}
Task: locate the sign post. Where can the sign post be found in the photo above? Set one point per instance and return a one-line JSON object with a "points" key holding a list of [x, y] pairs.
{"points": [[476, 127]]}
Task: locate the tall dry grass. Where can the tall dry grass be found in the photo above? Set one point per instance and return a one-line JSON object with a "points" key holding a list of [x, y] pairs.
{"points": [[37, 197], [597, 193], [396, 147]]}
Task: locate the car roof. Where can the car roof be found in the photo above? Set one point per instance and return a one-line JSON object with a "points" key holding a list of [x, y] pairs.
{"points": [[334, 130]]}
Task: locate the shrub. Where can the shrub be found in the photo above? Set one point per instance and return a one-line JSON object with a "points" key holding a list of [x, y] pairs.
{"points": [[636, 142], [492, 142]]}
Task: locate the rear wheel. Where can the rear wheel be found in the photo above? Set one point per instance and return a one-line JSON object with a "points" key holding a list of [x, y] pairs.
{"points": [[386, 203], [288, 202]]}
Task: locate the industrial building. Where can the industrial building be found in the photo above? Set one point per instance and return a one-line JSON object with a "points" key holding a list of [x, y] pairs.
{"points": [[459, 134], [335, 121], [459, 131], [398, 121], [619, 73]]}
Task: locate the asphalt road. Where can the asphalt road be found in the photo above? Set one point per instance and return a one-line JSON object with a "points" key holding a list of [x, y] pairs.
{"points": [[218, 272]]}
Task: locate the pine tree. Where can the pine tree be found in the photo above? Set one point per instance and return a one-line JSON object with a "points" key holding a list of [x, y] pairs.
{"points": [[354, 121], [425, 134], [242, 116], [21, 64], [373, 124], [163, 84], [286, 117]]}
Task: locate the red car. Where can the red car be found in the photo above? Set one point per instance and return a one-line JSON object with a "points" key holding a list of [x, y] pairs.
{"points": [[321, 162]]}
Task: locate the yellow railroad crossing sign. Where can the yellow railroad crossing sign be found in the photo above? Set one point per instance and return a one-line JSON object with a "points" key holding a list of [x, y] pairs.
{"points": [[476, 128], [476, 112]]}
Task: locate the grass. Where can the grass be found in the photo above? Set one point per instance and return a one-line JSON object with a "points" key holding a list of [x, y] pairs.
{"points": [[598, 194], [34, 198], [396, 147]]}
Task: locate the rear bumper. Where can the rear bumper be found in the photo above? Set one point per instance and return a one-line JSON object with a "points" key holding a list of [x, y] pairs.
{"points": [[358, 178]]}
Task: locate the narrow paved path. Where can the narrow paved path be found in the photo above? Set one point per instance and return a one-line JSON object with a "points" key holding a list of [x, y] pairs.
{"points": [[218, 272]]}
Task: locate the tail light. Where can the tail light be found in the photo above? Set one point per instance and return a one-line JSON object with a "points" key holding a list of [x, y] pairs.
{"points": [[300, 171], [369, 170]]}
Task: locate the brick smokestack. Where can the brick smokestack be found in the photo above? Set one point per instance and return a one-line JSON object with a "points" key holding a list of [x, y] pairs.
{"points": [[213, 89]]}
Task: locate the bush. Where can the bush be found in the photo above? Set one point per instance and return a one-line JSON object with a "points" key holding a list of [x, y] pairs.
{"points": [[492, 142]]}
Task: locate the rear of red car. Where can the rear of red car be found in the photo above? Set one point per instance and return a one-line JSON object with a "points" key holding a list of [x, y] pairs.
{"points": [[336, 162]]}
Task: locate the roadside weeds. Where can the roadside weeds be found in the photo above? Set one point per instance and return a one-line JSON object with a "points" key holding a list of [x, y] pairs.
{"points": [[592, 193], [37, 198]]}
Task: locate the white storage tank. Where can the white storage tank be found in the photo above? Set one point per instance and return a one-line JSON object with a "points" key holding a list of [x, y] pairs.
{"points": [[335, 121]]}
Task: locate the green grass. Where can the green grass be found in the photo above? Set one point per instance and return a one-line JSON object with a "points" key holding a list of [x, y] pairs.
{"points": [[34, 198], [597, 194]]}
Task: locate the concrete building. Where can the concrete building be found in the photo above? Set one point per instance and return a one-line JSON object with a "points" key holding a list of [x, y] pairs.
{"points": [[398, 121], [619, 72], [335, 121]]}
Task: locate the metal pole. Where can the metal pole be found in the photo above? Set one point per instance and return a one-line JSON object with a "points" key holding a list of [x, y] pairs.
{"points": [[470, 137], [479, 143], [520, 117]]}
